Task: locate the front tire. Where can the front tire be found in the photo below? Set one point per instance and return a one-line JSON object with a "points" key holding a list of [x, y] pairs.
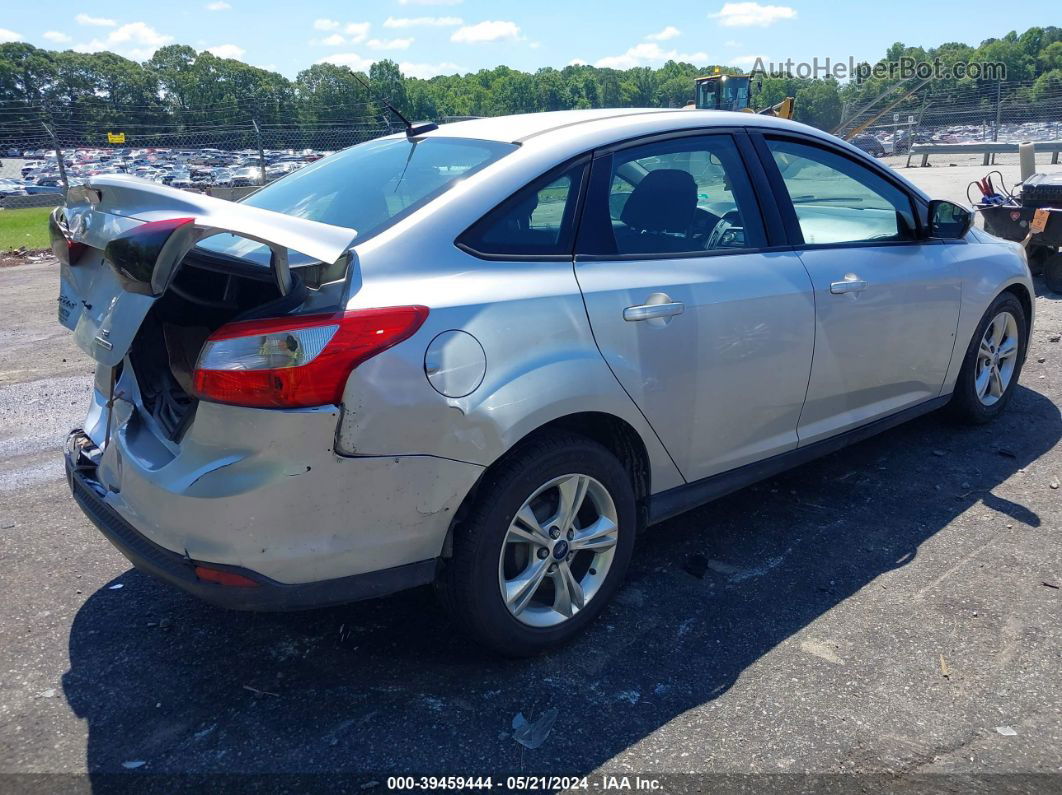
{"points": [[993, 362], [544, 547]]}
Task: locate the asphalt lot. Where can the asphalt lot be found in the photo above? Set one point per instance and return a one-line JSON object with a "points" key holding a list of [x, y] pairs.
{"points": [[881, 610]]}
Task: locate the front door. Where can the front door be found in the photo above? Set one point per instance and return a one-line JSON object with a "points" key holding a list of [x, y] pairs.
{"points": [[887, 302]]}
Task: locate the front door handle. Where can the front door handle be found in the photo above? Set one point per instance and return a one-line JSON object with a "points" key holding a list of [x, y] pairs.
{"points": [[850, 284], [653, 311]]}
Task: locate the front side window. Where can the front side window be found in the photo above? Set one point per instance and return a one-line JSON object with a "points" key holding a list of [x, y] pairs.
{"points": [[837, 200], [539, 220], [367, 187], [682, 196]]}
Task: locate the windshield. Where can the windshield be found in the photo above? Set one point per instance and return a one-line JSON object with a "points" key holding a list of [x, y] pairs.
{"points": [[367, 187]]}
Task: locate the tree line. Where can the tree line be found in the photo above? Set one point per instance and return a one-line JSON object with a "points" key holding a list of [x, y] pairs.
{"points": [[179, 88]]}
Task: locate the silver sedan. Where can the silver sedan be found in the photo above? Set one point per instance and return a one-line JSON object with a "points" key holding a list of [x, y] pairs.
{"points": [[486, 356]]}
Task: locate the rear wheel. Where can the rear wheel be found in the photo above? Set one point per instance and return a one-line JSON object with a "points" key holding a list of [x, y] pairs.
{"points": [[993, 362], [544, 548]]}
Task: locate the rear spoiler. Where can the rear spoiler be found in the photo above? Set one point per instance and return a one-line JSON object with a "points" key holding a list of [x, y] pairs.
{"points": [[142, 201]]}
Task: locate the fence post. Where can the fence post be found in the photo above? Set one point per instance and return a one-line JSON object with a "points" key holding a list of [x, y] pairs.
{"points": [[261, 152], [999, 115], [58, 157]]}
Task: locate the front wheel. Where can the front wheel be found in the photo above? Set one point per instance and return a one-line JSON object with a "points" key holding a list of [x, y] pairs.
{"points": [[544, 548], [993, 362]]}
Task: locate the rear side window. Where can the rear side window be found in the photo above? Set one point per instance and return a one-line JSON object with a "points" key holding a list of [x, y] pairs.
{"points": [[837, 200], [539, 220], [677, 197]]}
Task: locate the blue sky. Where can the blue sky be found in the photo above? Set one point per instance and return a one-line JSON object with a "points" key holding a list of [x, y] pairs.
{"points": [[429, 37]]}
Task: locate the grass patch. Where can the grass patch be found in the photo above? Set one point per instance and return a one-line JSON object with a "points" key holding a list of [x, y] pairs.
{"points": [[24, 227]]}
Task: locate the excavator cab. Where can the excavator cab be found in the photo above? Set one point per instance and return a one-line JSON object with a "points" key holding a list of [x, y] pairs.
{"points": [[724, 92], [734, 92]]}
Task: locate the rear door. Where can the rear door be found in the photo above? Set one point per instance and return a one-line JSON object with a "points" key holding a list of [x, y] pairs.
{"points": [[126, 237], [887, 300], [708, 327]]}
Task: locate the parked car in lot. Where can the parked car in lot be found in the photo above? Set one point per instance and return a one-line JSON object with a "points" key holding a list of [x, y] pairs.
{"points": [[489, 355], [869, 144]]}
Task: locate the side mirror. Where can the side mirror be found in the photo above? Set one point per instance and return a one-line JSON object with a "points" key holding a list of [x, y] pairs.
{"points": [[948, 221]]}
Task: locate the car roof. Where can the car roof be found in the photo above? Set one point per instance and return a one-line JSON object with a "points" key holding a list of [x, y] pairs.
{"points": [[574, 131]]}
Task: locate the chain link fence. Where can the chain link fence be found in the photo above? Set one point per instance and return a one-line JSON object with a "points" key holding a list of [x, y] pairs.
{"points": [[38, 157], [41, 151], [1009, 112]]}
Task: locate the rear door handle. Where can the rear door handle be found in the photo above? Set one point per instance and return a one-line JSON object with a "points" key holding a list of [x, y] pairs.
{"points": [[850, 285], [653, 311]]}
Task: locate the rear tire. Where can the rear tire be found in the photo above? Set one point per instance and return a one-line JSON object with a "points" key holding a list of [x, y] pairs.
{"points": [[993, 363], [506, 541]]}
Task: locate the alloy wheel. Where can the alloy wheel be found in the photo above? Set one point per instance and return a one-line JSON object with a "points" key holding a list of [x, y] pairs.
{"points": [[997, 357], [558, 550]]}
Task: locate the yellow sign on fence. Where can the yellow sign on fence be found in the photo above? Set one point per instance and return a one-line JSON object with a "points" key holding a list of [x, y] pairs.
{"points": [[116, 138]]}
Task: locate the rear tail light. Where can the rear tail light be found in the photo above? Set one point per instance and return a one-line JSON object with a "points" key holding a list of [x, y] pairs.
{"points": [[292, 362], [65, 249]]}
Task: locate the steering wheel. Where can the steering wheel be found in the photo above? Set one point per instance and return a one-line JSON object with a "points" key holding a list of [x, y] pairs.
{"points": [[730, 220]]}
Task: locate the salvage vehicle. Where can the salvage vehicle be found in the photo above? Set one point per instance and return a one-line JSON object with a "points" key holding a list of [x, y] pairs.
{"points": [[487, 356]]}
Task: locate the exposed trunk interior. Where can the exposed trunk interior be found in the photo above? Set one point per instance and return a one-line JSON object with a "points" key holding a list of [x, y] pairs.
{"points": [[206, 293]]}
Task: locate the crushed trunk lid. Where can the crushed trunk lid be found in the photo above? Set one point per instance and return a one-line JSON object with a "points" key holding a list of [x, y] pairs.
{"points": [[144, 231]]}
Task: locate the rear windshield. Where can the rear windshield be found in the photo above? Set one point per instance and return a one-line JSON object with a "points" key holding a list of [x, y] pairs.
{"points": [[367, 187]]}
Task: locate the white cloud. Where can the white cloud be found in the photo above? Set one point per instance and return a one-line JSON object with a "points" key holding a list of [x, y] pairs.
{"points": [[351, 59], [731, 43], [669, 32], [388, 44], [749, 15], [415, 22], [9, 35], [334, 40], [325, 24], [577, 62], [136, 40], [227, 51], [748, 61], [220, 5], [429, 2], [358, 31], [138, 33], [428, 70], [486, 31], [99, 22], [56, 36], [649, 53]]}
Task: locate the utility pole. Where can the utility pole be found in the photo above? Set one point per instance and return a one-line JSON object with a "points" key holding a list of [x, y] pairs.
{"points": [[999, 115], [261, 152], [58, 156]]}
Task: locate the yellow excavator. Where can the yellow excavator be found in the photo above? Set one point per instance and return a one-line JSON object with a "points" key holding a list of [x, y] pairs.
{"points": [[734, 92]]}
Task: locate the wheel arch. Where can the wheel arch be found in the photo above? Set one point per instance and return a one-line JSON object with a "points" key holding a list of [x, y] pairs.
{"points": [[613, 433], [1021, 292]]}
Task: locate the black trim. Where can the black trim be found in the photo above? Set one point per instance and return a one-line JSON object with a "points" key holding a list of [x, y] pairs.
{"points": [[773, 224], [674, 501], [653, 138], [179, 570]]}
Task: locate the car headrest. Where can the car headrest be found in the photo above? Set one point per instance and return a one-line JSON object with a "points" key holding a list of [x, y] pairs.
{"points": [[663, 201]]}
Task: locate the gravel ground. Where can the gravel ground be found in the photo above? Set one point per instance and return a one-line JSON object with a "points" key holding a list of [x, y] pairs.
{"points": [[891, 609]]}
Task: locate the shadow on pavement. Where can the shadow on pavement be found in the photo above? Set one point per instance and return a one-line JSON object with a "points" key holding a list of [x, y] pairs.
{"points": [[386, 686]]}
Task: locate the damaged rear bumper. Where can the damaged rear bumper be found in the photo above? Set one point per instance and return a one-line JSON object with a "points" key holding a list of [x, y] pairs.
{"points": [[178, 570]]}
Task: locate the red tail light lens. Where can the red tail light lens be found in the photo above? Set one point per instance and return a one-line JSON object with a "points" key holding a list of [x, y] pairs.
{"points": [[294, 362], [66, 250]]}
